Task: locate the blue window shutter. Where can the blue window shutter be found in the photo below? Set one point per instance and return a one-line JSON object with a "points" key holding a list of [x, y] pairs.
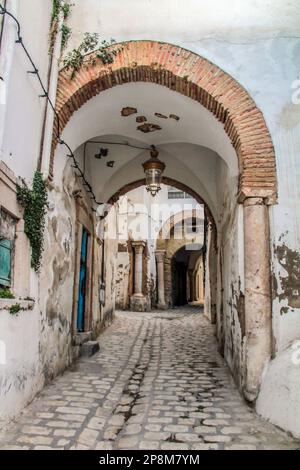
{"points": [[5, 262]]}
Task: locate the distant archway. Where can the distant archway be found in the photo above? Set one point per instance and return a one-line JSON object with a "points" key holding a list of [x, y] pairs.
{"points": [[170, 182], [195, 77], [179, 217], [182, 281]]}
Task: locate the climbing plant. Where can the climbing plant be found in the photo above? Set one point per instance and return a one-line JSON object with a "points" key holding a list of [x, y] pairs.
{"points": [[58, 7], [77, 58], [34, 202], [65, 34], [15, 309], [5, 293]]}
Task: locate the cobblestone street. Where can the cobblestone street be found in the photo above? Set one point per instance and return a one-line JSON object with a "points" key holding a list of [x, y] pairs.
{"points": [[157, 383]]}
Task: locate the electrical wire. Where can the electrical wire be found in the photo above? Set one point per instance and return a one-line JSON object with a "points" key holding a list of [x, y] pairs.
{"points": [[126, 144], [35, 71]]}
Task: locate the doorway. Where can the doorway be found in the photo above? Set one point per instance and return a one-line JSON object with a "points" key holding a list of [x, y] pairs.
{"points": [[179, 275], [82, 281]]}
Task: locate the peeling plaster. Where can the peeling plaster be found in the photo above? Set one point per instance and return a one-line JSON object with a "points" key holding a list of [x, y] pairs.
{"points": [[149, 127], [290, 284], [174, 116], [162, 116], [290, 116], [239, 304], [141, 119], [128, 111]]}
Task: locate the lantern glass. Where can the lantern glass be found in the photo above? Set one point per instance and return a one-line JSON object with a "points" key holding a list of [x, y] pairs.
{"points": [[153, 180]]}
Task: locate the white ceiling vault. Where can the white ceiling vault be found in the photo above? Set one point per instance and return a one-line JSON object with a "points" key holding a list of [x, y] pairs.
{"points": [[191, 141]]}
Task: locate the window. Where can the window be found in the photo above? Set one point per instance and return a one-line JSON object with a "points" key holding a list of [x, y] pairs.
{"points": [[174, 193], [5, 262], [7, 236]]}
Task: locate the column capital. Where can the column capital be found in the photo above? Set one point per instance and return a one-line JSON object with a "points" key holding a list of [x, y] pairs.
{"points": [[249, 193], [253, 201], [138, 245], [160, 255]]}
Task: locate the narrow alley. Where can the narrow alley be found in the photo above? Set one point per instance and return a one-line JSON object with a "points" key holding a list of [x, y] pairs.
{"points": [[158, 382]]}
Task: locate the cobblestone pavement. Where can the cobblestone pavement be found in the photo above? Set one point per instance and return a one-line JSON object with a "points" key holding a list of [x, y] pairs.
{"points": [[157, 383]]}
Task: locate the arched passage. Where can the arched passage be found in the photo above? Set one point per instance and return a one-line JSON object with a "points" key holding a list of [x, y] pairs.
{"points": [[168, 181], [243, 240], [193, 76], [181, 239], [187, 278]]}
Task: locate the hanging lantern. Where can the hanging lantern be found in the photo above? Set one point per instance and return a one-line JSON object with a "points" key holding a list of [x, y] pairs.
{"points": [[153, 169]]}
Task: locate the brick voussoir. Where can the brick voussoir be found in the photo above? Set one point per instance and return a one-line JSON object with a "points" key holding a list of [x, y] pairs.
{"points": [[190, 75]]}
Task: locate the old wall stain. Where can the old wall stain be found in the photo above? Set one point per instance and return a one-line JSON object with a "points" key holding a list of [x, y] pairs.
{"points": [[290, 116], [239, 304], [290, 284]]}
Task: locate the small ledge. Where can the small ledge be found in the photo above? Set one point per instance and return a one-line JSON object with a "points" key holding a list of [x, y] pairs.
{"points": [[7, 304], [81, 338]]}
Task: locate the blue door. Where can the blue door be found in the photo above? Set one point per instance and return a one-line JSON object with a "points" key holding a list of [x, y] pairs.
{"points": [[82, 281]]}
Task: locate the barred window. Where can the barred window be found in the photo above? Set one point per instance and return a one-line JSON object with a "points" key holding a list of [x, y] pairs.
{"points": [[174, 193]]}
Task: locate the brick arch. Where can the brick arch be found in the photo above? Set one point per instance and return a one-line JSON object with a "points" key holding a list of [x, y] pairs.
{"points": [[195, 77], [175, 219], [170, 182], [208, 216], [171, 253]]}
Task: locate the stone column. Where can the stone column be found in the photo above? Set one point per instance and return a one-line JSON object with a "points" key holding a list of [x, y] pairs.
{"points": [[160, 257], [138, 301], [257, 294], [197, 290], [138, 267]]}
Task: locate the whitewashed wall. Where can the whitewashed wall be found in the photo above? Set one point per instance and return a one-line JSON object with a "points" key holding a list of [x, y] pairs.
{"points": [[22, 111], [21, 120]]}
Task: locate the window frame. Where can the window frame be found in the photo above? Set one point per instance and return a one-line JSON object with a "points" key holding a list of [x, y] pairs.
{"points": [[6, 281]]}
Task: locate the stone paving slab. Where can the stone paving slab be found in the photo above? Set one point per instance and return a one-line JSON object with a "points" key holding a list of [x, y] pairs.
{"points": [[157, 383]]}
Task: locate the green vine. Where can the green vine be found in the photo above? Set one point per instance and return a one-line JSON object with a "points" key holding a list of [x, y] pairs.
{"points": [[65, 35], [5, 293], [15, 309], [58, 7], [34, 202], [77, 58]]}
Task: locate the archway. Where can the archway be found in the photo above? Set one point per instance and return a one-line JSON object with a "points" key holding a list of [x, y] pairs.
{"points": [[180, 238], [193, 76], [248, 295], [180, 262], [186, 280]]}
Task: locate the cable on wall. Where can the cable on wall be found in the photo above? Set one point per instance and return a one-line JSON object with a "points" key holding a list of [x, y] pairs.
{"points": [[45, 94]]}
